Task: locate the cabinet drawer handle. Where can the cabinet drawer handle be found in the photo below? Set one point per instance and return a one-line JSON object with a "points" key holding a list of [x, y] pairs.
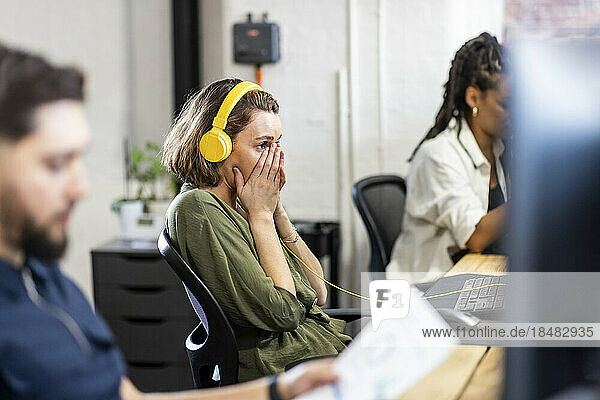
{"points": [[143, 289], [146, 364], [145, 320], [141, 257]]}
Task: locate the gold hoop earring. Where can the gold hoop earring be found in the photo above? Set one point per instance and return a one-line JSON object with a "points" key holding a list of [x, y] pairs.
{"points": [[475, 111]]}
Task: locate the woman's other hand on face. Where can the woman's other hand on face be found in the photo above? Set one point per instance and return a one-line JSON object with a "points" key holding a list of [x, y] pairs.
{"points": [[282, 179], [260, 193], [279, 211]]}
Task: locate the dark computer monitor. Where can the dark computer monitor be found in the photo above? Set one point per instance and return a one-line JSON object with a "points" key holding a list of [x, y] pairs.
{"points": [[554, 219]]}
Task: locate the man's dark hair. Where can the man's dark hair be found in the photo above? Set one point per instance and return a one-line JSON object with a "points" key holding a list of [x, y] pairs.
{"points": [[26, 82]]}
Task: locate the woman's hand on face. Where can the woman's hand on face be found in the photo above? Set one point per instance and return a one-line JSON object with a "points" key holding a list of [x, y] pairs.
{"points": [[260, 193], [281, 171], [279, 209]]}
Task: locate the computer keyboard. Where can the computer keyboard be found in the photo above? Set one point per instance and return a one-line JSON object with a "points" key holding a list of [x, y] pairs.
{"points": [[481, 294]]}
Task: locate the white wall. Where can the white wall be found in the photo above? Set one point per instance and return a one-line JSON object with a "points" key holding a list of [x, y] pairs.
{"points": [[151, 73], [398, 58], [397, 55], [124, 49]]}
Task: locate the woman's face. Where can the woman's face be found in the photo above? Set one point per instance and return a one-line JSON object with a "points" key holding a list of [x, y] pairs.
{"points": [[264, 130], [492, 117]]}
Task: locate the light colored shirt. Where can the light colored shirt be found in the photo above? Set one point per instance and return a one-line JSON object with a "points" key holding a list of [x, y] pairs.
{"points": [[447, 195]]}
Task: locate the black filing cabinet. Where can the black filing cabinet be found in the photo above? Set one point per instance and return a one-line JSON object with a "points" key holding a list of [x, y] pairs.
{"points": [[323, 239], [146, 307]]}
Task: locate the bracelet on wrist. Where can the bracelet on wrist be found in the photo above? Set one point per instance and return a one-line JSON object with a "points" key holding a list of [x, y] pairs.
{"points": [[273, 391], [294, 240], [292, 237]]}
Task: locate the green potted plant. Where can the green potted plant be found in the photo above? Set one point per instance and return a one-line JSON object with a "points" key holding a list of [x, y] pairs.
{"points": [[152, 187]]}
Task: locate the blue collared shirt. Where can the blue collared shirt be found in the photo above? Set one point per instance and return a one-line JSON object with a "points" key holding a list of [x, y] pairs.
{"points": [[40, 358]]}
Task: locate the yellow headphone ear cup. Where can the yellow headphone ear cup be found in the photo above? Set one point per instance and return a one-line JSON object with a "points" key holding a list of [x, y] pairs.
{"points": [[215, 145]]}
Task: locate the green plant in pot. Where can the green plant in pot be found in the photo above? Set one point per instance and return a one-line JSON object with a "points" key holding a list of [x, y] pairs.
{"points": [[141, 215], [148, 175]]}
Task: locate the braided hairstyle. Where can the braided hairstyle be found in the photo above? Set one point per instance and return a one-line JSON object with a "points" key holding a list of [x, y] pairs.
{"points": [[479, 62]]}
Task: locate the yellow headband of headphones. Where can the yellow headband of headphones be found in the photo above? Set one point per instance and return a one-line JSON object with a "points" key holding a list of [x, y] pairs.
{"points": [[215, 145]]}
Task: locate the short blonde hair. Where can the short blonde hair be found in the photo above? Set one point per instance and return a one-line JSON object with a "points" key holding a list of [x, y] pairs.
{"points": [[181, 153]]}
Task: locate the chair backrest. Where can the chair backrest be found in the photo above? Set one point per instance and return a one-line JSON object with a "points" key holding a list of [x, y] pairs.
{"points": [[212, 347], [380, 202]]}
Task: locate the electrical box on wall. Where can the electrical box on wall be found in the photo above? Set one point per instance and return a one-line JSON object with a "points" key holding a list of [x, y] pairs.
{"points": [[256, 42]]}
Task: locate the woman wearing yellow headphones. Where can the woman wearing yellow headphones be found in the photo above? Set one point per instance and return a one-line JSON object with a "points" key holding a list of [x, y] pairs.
{"points": [[228, 222]]}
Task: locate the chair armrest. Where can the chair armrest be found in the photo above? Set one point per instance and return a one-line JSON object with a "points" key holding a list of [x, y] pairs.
{"points": [[346, 314]]}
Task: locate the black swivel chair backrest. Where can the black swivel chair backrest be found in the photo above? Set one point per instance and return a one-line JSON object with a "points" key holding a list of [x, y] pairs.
{"points": [[380, 202], [212, 344]]}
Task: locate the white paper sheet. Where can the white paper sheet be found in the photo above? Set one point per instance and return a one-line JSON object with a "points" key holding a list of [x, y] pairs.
{"points": [[385, 363]]}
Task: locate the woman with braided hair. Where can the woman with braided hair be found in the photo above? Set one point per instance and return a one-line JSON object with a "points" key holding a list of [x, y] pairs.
{"points": [[456, 188]]}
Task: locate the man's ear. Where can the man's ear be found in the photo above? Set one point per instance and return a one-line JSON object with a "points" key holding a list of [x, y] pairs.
{"points": [[6, 149], [472, 96]]}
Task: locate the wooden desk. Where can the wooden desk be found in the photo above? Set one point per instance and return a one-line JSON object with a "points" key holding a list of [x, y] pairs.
{"points": [[471, 372]]}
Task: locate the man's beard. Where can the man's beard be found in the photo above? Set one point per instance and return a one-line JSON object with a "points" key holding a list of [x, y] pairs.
{"points": [[36, 242], [19, 231]]}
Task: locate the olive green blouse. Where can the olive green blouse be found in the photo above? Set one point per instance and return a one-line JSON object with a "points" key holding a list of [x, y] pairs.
{"points": [[273, 328]]}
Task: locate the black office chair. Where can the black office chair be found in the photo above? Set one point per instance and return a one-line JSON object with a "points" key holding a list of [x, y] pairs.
{"points": [[380, 202], [212, 343], [211, 347]]}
